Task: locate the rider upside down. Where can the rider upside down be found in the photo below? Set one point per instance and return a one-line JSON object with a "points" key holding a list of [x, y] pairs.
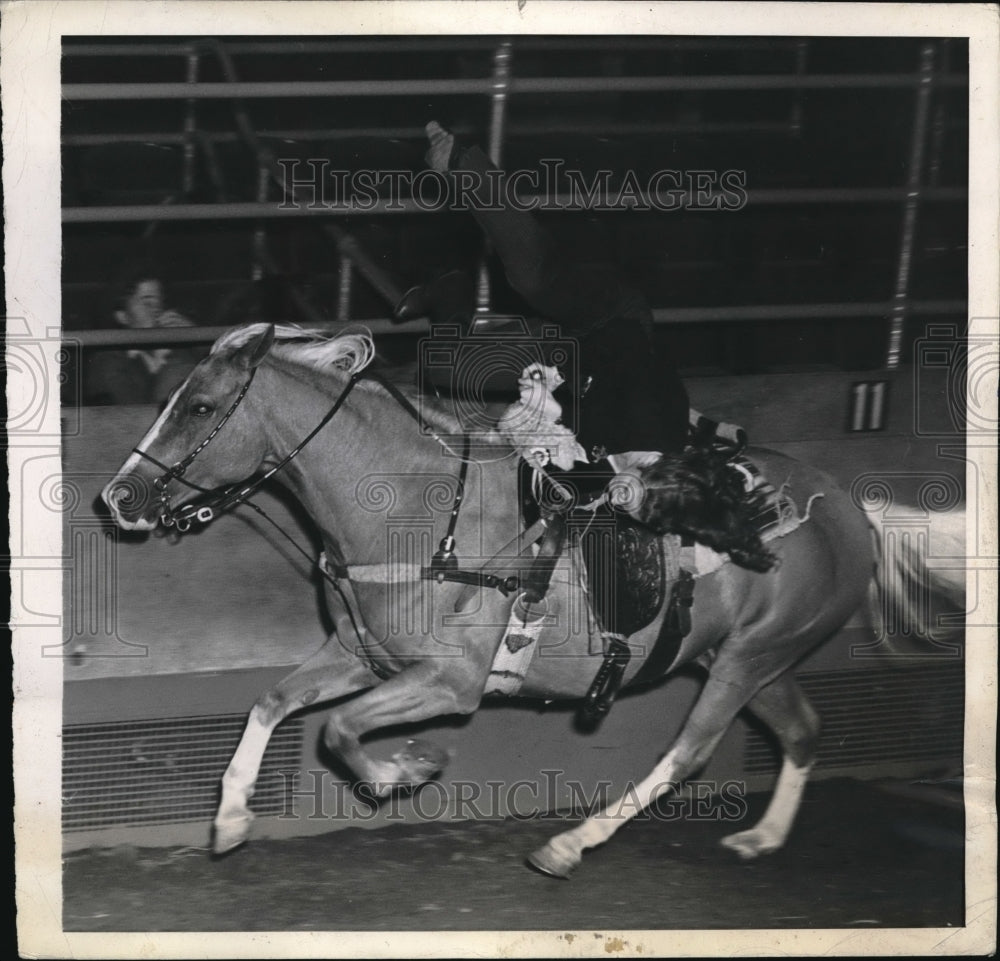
{"points": [[632, 407]]}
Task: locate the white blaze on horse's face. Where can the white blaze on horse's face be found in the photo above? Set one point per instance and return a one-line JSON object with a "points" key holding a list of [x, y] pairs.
{"points": [[190, 415], [129, 490]]}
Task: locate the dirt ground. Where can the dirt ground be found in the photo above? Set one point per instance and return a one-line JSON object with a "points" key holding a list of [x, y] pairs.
{"points": [[859, 856]]}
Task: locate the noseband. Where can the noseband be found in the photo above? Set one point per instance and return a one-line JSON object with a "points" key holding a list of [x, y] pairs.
{"points": [[182, 520]]}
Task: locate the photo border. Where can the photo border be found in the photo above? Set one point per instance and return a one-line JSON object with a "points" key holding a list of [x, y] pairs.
{"points": [[32, 33]]}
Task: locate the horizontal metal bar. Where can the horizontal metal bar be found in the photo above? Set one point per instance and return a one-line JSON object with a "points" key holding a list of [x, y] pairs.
{"points": [[417, 44], [250, 210], [165, 336], [763, 312], [271, 88], [127, 337], [484, 85], [417, 133]]}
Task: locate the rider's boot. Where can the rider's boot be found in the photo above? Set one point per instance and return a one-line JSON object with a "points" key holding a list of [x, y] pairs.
{"points": [[443, 147], [447, 299]]}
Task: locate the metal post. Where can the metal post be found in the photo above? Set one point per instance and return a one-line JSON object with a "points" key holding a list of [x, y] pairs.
{"points": [[897, 320], [801, 57], [498, 116], [939, 123], [345, 283], [190, 128], [259, 236]]}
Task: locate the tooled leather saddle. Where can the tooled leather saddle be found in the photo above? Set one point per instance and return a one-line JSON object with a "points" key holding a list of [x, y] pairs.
{"points": [[629, 579]]}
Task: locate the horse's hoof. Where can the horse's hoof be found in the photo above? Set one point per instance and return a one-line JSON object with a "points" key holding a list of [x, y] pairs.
{"points": [[228, 837], [419, 760], [556, 864], [750, 844]]}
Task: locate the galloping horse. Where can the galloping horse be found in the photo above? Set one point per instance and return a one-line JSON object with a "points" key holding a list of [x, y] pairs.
{"points": [[303, 408]]}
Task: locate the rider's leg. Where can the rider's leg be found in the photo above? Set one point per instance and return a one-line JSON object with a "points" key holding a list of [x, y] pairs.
{"points": [[629, 403], [574, 295], [635, 400]]}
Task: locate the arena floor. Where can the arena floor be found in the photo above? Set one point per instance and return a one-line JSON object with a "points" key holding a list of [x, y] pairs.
{"points": [[859, 857]]}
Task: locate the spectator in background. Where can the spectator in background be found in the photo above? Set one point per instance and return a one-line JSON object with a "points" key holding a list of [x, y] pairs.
{"points": [[140, 375]]}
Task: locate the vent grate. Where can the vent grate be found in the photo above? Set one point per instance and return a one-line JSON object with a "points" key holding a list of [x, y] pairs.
{"points": [[166, 770], [879, 716]]}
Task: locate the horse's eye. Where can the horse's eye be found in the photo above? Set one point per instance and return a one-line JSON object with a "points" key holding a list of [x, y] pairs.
{"points": [[201, 410], [536, 374]]}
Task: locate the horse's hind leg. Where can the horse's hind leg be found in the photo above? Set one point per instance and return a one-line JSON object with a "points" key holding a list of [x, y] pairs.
{"points": [[330, 673], [713, 713], [783, 706]]}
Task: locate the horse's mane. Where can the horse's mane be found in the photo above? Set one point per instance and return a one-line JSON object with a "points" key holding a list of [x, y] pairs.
{"points": [[345, 353]]}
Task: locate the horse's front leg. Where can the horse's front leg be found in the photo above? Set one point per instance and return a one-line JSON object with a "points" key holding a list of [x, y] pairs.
{"points": [[419, 692], [330, 673]]}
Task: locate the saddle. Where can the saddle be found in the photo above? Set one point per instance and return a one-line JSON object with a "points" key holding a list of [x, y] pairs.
{"points": [[633, 575], [630, 572]]}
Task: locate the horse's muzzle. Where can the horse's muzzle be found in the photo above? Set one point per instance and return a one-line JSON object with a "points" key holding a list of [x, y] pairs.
{"points": [[133, 502]]}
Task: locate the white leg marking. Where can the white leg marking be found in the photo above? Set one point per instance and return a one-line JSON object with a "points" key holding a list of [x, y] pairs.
{"points": [[241, 775], [772, 830], [598, 828], [232, 822], [564, 851]]}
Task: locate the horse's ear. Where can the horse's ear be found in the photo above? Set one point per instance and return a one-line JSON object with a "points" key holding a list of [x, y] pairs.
{"points": [[255, 350]]}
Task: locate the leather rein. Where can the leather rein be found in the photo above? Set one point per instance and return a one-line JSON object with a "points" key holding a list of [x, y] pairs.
{"points": [[444, 564]]}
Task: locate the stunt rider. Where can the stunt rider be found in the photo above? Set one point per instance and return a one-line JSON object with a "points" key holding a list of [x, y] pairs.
{"points": [[632, 406]]}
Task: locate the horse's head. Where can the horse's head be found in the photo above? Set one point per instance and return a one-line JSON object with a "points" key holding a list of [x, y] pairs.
{"points": [[203, 440]]}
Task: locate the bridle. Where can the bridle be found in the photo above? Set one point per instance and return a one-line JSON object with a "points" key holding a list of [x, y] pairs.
{"points": [[444, 565], [182, 519], [236, 494]]}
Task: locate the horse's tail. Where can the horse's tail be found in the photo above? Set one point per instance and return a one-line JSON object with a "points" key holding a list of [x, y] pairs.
{"points": [[906, 588]]}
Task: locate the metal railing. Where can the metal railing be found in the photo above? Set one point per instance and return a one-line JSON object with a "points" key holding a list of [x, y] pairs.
{"points": [[466, 86], [748, 314], [499, 87]]}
